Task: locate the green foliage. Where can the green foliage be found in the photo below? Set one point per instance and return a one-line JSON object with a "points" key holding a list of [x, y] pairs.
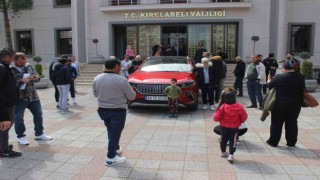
{"points": [[37, 59], [15, 5], [307, 69], [305, 55], [38, 68]]}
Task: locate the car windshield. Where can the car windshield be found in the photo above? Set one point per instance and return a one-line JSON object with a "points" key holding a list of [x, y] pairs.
{"points": [[164, 65]]}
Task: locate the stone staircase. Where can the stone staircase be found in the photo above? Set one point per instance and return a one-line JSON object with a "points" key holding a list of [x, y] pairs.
{"points": [[89, 71]]}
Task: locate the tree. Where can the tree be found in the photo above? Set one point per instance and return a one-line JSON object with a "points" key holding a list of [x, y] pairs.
{"points": [[14, 6]]}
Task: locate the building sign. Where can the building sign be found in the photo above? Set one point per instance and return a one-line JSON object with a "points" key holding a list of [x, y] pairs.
{"points": [[175, 14]]}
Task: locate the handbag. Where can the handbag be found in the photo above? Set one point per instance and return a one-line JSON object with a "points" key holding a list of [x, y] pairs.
{"points": [[308, 100]]}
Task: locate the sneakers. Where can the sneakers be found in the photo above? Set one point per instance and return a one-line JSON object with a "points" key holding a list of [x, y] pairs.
{"points": [[115, 160], [43, 137], [23, 141], [230, 158], [212, 108], [10, 153], [75, 103], [119, 151], [57, 107], [171, 115], [204, 107], [251, 106], [224, 154]]}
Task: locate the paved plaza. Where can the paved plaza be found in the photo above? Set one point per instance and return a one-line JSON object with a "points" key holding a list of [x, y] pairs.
{"points": [[157, 147]]}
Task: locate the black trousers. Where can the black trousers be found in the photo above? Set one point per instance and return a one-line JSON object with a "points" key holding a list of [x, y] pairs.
{"points": [[4, 135], [238, 85], [241, 132], [56, 92], [228, 134], [72, 91], [264, 86], [207, 91], [288, 116]]}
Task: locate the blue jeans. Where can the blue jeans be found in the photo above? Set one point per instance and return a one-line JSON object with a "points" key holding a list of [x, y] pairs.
{"points": [[36, 110], [114, 120], [254, 90]]}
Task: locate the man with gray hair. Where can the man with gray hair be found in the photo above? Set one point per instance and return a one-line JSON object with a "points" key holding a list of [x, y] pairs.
{"points": [[239, 72], [135, 64], [113, 92]]}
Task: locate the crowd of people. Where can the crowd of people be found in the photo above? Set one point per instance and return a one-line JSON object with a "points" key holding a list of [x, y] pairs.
{"points": [[112, 89]]}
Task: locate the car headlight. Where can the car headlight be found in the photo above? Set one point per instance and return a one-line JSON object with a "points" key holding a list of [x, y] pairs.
{"points": [[187, 84]]}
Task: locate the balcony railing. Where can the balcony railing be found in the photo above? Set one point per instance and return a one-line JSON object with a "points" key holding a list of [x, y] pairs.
{"points": [[104, 3]]}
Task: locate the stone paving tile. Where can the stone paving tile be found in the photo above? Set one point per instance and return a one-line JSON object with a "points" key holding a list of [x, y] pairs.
{"points": [[166, 174], [157, 147], [34, 175]]}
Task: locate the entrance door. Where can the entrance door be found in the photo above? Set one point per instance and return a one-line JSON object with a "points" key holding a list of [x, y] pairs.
{"points": [[175, 37]]}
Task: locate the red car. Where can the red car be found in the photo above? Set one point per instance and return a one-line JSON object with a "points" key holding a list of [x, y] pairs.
{"points": [[155, 74]]}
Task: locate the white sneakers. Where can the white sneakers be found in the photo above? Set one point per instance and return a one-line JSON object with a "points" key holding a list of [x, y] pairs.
{"points": [[23, 141], [43, 137], [116, 160], [204, 107], [230, 158], [224, 154]]}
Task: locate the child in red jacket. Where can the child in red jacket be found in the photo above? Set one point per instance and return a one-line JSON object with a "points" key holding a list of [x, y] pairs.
{"points": [[230, 115]]}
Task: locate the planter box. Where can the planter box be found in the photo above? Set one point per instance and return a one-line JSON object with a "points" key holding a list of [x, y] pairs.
{"points": [[42, 84], [311, 85]]}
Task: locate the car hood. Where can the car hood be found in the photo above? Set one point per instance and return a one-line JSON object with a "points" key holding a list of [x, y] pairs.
{"points": [[159, 77]]}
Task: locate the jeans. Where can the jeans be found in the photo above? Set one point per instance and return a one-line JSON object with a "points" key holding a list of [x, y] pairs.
{"points": [[254, 90], [238, 85], [114, 120], [4, 135], [36, 110], [63, 91]]}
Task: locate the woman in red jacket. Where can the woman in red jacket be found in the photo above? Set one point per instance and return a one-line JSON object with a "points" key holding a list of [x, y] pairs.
{"points": [[230, 115]]}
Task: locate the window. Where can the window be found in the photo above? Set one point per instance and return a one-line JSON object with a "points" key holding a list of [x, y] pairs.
{"points": [[172, 1], [123, 2], [301, 38], [62, 2], [24, 42], [64, 41]]}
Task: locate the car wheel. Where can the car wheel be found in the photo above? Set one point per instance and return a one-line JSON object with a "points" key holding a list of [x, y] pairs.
{"points": [[130, 105]]}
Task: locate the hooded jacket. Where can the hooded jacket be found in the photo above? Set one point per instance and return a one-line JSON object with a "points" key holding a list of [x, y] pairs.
{"points": [[230, 115]]}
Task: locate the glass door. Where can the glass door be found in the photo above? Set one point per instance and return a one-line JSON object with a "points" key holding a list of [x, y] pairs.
{"points": [[149, 35], [198, 34]]}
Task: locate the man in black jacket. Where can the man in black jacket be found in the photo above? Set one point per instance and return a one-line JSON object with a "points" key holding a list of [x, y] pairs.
{"points": [[199, 54], [9, 94], [271, 66], [239, 72]]}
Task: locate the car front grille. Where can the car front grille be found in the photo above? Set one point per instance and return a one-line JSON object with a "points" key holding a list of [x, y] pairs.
{"points": [[150, 88]]}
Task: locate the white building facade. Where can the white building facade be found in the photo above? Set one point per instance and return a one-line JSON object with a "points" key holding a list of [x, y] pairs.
{"points": [[56, 27]]}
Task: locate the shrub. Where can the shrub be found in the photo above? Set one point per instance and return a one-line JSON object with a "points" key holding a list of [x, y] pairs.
{"points": [[38, 66], [306, 67], [37, 59]]}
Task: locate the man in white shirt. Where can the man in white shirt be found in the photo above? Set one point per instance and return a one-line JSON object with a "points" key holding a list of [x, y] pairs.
{"points": [[125, 65]]}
